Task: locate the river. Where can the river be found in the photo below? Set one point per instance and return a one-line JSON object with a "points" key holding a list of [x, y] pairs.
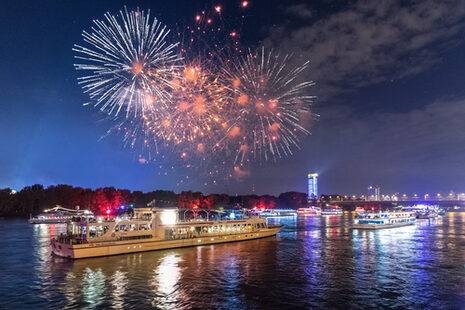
{"points": [[314, 262]]}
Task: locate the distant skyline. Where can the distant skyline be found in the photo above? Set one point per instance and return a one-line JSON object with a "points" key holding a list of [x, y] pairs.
{"points": [[390, 84]]}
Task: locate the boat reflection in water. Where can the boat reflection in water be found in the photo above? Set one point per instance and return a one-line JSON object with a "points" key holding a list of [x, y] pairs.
{"points": [[182, 279], [165, 279], [314, 262]]}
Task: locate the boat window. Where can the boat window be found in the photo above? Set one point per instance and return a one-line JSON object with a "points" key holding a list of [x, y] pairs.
{"points": [[132, 227], [92, 231], [169, 233]]}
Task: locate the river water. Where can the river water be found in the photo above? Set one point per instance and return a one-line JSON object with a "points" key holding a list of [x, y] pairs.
{"points": [[314, 262]]}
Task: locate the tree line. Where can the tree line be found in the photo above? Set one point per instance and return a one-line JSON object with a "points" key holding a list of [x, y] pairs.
{"points": [[32, 200]]}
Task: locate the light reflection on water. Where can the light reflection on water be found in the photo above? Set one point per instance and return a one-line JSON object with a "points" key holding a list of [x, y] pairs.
{"points": [[315, 261], [165, 280]]}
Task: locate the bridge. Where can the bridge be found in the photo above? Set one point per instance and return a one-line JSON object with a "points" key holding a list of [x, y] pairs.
{"points": [[383, 204]]}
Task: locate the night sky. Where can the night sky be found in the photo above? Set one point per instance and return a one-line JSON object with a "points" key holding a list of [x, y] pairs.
{"points": [[390, 84]]}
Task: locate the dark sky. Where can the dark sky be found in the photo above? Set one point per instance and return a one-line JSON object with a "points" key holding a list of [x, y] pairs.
{"points": [[390, 84]]}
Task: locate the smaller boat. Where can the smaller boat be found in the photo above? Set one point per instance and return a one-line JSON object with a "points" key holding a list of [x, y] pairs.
{"points": [[423, 211], [59, 215], [427, 215], [332, 210], [309, 211], [277, 212], [377, 220]]}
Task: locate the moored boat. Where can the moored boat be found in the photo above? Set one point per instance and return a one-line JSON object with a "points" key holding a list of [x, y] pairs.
{"points": [[332, 210], [427, 215], [59, 215], [277, 212], [153, 229], [308, 211], [377, 220], [423, 211]]}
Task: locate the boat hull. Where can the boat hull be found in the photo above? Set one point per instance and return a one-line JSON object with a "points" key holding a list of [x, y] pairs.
{"points": [[332, 213], [143, 245], [427, 216], [380, 226]]}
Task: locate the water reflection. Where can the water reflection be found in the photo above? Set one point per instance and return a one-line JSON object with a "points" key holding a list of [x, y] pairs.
{"points": [[93, 287], [165, 281], [119, 283], [314, 262]]}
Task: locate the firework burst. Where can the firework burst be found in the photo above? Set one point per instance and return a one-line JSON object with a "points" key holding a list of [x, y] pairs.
{"points": [[197, 111], [208, 115], [124, 56], [268, 109]]}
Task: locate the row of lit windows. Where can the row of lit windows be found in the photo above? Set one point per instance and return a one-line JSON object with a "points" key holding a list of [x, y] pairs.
{"points": [[198, 230]]}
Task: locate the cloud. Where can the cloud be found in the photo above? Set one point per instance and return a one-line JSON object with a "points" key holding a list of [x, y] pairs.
{"points": [[373, 41], [301, 11], [424, 146], [419, 151]]}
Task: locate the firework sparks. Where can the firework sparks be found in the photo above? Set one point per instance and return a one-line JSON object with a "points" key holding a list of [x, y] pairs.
{"points": [[269, 107], [210, 115], [124, 57], [198, 100]]}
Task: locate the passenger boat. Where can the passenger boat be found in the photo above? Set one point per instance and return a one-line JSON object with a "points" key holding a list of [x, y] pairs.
{"points": [[153, 229], [377, 220], [332, 210], [308, 211], [423, 211], [59, 215], [277, 212], [427, 215]]}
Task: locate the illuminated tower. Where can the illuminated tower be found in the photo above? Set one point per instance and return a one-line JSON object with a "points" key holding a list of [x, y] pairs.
{"points": [[312, 185], [374, 193]]}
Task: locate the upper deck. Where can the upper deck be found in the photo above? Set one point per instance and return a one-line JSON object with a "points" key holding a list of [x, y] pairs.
{"points": [[163, 224]]}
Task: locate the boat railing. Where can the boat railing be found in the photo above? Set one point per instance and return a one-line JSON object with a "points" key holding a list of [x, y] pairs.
{"points": [[71, 239], [192, 235]]}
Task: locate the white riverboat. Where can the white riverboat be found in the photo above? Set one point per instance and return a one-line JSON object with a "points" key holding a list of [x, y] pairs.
{"points": [[309, 211], [377, 220], [277, 212], [153, 229], [425, 211], [332, 211], [59, 215]]}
